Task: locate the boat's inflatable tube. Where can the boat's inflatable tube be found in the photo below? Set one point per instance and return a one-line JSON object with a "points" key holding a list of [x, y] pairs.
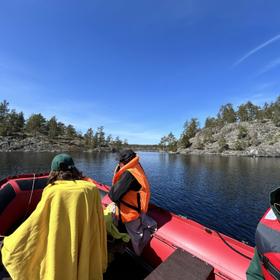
{"points": [[229, 257], [19, 196]]}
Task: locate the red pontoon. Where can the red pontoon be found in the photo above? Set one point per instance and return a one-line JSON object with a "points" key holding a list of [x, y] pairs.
{"points": [[175, 239]]}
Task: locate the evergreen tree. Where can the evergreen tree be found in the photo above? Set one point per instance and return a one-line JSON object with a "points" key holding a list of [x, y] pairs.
{"points": [[109, 140], [168, 142], [227, 114], [247, 112], [70, 131], [100, 136], [15, 122], [268, 110], [163, 143], [190, 130], [212, 123], [118, 143], [89, 138], [52, 127], [171, 142], [61, 129], [276, 112], [4, 112], [36, 124]]}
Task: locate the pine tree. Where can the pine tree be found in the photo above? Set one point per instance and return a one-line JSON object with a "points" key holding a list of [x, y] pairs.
{"points": [[4, 112], [227, 114], [52, 127], [36, 124]]}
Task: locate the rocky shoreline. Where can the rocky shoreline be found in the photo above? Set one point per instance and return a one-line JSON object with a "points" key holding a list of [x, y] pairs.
{"points": [[249, 139], [253, 152], [40, 144], [246, 139]]}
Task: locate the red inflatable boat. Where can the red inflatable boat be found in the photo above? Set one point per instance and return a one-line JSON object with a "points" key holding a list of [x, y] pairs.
{"points": [[170, 248]]}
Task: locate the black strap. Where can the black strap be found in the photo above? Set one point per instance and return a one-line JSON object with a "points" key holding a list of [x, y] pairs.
{"points": [[275, 273], [138, 208], [139, 202]]}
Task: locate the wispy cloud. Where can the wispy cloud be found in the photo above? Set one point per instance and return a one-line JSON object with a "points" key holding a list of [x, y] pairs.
{"points": [[258, 48], [273, 64]]}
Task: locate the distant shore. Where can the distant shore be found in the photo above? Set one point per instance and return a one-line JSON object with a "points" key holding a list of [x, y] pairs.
{"points": [[40, 143]]}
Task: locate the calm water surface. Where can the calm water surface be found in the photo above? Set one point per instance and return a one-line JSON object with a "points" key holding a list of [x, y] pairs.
{"points": [[228, 194]]}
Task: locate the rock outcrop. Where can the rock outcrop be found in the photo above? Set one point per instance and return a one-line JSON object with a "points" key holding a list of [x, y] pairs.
{"points": [[257, 139]]}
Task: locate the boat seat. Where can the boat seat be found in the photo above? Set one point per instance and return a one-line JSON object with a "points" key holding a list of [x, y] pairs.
{"points": [[181, 265]]}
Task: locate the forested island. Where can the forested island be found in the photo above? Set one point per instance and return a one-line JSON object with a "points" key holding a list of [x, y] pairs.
{"points": [[248, 131], [37, 133]]}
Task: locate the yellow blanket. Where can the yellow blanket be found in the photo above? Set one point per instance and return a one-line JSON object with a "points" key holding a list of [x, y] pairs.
{"points": [[64, 238]]}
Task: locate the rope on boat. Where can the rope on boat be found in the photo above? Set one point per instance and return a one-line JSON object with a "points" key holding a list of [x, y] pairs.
{"points": [[235, 250], [30, 197]]}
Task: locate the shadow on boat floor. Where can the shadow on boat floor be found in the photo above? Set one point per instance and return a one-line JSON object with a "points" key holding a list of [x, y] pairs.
{"points": [[127, 266], [124, 266]]}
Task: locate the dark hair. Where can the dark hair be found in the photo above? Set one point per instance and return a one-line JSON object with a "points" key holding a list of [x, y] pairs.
{"points": [[70, 174], [125, 156]]}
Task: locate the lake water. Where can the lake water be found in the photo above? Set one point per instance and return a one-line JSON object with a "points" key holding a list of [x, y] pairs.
{"points": [[229, 194]]}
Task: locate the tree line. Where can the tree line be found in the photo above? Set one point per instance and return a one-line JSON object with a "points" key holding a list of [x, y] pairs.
{"points": [[13, 123], [247, 112]]}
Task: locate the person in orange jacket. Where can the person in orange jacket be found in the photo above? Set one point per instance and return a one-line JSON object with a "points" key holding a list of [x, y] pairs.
{"points": [[131, 193]]}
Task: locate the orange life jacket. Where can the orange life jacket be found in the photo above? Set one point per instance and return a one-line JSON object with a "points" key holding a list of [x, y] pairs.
{"points": [[133, 203], [268, 245]]}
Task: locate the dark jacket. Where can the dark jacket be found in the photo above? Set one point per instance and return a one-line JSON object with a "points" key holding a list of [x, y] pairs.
{"points": [[126, 183]]}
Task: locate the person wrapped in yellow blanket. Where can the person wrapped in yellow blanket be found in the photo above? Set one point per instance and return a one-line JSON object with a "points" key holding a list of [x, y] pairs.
{"points": [[65, 237]]}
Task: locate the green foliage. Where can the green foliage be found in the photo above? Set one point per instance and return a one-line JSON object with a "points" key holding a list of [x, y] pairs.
{"points": [[61, 129], [100, 137], [168, 143], [276, 112], [227, 114], [240, 145], [12, 123], [36, 124], [242, 132], [109, 140], [212, 123], [15, 122], [190, 130], [89, 139], [248, 112], [222, 144], [4, 113], [117, 143], [268, 110], [52, 127], [70, 131], [208, 136]]}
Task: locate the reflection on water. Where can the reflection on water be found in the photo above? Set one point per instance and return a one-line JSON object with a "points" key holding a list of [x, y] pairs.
{"points": [[229, 194]]}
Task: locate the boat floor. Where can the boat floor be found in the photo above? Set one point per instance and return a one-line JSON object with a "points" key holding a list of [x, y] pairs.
{"points": [[123, 266], [127, 266]]}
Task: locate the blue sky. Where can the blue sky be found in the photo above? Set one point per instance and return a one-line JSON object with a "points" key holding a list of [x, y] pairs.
{"points": [[139, 68]]}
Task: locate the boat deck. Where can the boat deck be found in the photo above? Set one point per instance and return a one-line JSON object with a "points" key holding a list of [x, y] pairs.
{"points": [[180, 265]]}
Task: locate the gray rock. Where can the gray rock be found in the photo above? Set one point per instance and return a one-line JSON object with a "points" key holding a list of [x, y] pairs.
{"points": [[255, 139]]}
